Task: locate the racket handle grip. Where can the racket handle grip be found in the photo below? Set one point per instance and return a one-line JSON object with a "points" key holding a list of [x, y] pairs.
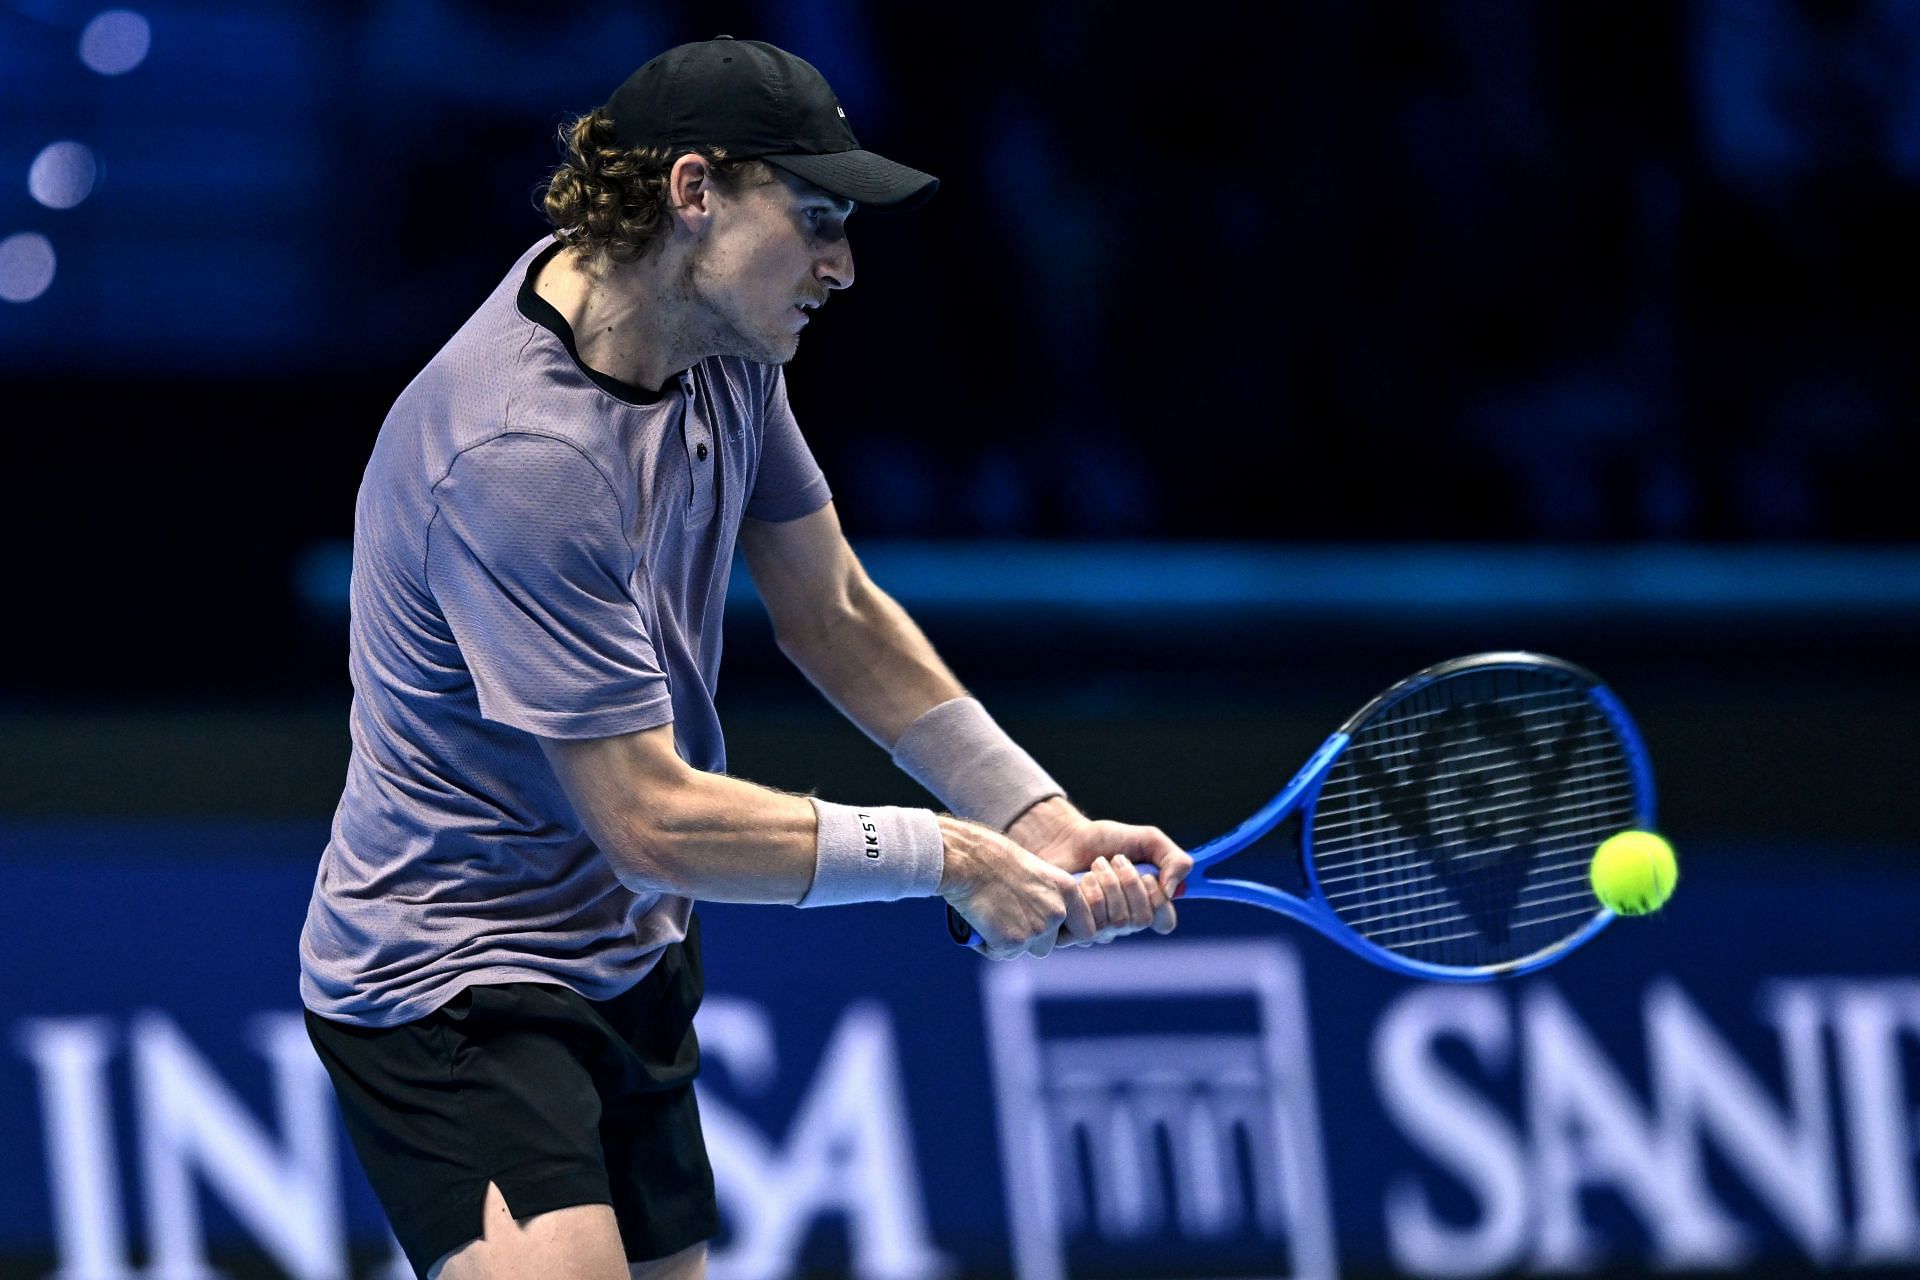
{"points": [[967, 936]]}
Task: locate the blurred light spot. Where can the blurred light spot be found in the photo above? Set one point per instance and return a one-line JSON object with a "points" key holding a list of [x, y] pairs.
{"points": [[62, 175], [26, 266], [115, 42], [323, 576]]}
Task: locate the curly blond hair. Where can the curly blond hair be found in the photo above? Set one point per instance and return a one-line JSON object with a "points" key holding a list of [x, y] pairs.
{"points": [[610, 199]]}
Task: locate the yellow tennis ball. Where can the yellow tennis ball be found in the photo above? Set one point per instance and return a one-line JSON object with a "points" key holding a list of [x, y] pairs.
{"points": [[1633, 872]]}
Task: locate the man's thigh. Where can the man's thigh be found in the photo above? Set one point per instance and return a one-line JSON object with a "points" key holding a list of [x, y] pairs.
{"points": [[688, 1264], [581, 1242]]}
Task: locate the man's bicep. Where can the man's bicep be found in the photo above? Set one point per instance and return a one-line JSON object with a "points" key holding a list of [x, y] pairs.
{"points": [[803, 569]]}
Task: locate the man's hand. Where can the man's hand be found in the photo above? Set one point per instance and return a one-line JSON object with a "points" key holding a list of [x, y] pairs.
{"points": [[1121, 900], [1015, 901]]}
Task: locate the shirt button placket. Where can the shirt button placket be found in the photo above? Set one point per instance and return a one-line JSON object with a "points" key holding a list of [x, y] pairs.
{"points": [[698, 437]]}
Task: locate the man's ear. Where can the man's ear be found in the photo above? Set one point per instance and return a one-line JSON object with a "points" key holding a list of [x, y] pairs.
{"points": [[690, 191]]}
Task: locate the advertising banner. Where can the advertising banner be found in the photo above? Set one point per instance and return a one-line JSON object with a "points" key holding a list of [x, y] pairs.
{"points": [[1733, 1083]]}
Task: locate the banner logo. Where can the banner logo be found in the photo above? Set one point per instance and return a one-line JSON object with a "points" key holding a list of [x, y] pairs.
{"points": [[1176, 1111]]}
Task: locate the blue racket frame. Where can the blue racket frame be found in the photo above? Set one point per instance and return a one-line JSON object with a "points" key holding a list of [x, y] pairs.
{"points": [[1303, 791]]}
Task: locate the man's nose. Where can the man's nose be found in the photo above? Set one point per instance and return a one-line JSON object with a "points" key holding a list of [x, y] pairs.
{"points": [[835, 270]]}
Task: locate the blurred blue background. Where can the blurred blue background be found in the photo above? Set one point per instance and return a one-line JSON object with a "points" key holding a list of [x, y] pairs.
{"points": [[1248, 359], [1471, 272]]}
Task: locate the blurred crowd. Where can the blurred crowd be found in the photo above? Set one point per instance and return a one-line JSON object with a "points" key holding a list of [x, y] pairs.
{"points": [[1468, 270], [1335, 269], [1362, 270]]}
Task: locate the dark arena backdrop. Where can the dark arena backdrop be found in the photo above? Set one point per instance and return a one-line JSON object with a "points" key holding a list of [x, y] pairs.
{"points": [[1249, 358]]}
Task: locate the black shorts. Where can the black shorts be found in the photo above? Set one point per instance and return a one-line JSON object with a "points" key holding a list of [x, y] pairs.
{"points": [[557, 1099]]}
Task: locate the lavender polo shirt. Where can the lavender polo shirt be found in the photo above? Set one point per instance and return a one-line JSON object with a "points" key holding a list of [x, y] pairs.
{"points": [[537, 550]]}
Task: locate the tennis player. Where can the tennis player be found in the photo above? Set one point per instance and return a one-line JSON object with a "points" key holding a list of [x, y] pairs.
{"points": [[500, 960]]}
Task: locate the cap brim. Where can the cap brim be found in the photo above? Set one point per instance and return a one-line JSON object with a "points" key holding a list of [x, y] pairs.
{"points": [[872, 181]]}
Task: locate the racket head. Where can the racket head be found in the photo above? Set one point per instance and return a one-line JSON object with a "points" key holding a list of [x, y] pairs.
{"points": [[1449, 832]]}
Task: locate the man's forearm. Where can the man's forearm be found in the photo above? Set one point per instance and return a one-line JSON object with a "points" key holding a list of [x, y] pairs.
{"points": [[720, 839], [872, 661], [668, 828]]}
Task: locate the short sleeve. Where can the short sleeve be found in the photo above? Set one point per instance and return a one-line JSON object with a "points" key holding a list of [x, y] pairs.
{"points": [[529, 561], [789, 484]]}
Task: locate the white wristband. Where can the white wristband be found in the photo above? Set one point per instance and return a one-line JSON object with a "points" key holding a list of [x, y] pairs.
{"points": [[957, 752], [874, 854]]}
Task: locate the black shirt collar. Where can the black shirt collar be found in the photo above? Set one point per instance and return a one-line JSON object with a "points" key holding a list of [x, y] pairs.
{"points": [[541, 312]]}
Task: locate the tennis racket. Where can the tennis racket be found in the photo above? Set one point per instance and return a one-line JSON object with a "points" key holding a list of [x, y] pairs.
{"points": [[1444, 830]]}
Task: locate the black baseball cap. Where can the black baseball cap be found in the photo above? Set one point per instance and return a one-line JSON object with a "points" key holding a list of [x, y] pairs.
{"points": [[757, 101]]}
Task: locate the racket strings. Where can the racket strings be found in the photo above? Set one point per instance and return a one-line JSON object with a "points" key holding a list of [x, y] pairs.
{"points": [[1423, 916], [1457, 826]]}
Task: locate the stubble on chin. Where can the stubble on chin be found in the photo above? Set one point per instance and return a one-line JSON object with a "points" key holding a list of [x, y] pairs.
{"points": [[759, 348], [717, 333], [731, 341]]}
